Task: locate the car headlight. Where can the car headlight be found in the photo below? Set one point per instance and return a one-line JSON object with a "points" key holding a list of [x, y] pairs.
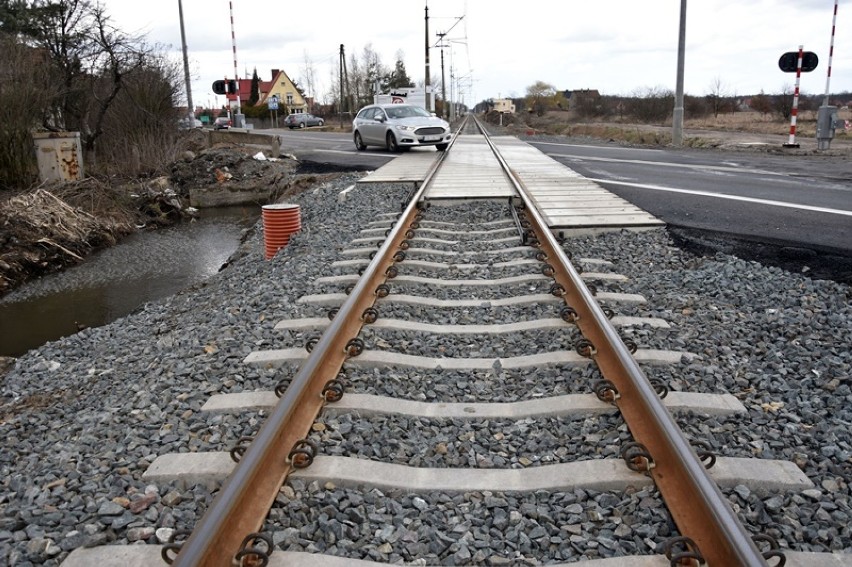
{"points": [[405, 128]]}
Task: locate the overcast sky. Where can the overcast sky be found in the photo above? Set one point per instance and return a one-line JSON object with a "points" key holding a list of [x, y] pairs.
{"points": [[615, 46]]}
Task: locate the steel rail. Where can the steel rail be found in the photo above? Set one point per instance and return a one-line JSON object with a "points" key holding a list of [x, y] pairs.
{"points": [[243, 502], [698, 507]]}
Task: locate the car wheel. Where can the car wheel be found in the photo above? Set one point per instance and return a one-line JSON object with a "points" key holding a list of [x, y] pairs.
{"points": [[441, 147], [359, 143], [320, 123], [391, 143], [301, 124]]}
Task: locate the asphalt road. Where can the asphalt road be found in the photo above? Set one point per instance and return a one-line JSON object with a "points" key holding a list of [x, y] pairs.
{"points": [[791, 200], [795, 201]]}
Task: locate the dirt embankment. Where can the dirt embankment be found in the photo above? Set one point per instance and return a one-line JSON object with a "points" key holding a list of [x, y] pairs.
{"points": [[51, 227]]}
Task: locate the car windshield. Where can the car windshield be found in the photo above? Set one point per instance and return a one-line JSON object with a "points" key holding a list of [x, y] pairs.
{"points": [[405, 111]]}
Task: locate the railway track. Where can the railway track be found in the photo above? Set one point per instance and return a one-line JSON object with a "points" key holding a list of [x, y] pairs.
{"points": [[473, 390]]}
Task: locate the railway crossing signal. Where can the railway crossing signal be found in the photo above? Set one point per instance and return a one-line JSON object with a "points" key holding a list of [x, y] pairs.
{"points": [[224, 87], [789, 60]]}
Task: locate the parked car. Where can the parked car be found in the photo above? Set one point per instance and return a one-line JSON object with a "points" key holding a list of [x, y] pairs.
{"points": [[222, 123], [188, 123], [302, 119], [399, 127]]}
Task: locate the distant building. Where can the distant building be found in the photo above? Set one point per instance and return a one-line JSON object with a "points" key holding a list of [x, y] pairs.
{"points": [[586, 93], [291, 100], [504, 105], [582, 100], [289, 95]]}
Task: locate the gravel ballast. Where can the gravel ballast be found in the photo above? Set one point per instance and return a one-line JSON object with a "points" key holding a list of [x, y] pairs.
{"points": [[83, 417]]}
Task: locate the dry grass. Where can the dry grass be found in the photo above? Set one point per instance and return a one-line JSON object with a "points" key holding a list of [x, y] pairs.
{"points": [[754, 122], [698, 132]]}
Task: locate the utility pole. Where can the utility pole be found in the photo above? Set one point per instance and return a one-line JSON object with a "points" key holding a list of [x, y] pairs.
{"points": [[677, 117], [340, 105], [186, 66], [443, 77], [426, 82], [441, 44]]}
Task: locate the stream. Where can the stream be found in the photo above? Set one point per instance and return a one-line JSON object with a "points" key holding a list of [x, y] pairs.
{"points": [[143, 267]]}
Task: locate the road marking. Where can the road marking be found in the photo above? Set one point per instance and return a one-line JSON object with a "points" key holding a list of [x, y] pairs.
{"points": [[715, 168], [729, 197], [586, 146]]}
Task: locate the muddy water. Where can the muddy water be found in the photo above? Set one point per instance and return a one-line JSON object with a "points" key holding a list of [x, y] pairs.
{"points": [[146, 266]]}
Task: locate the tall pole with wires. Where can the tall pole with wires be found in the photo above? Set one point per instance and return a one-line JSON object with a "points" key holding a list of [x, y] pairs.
{"points": [[238, 114], [342, 89], [443, 77], [186, 65], [442, 45], [426, 82]]}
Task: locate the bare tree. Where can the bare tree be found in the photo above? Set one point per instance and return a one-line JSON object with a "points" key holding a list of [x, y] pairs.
{"points": [[714, 96], [651, 105], [761, 103], [308, 73], [365, 72], [89, 62], [90, 56], [720, 97], [540, 97], [782, 103], [355, 84], [139, 132]]}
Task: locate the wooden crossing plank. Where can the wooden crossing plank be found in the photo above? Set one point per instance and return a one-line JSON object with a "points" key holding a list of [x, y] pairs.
{"points": [[565, 198], [470, 171], [408, 167]]}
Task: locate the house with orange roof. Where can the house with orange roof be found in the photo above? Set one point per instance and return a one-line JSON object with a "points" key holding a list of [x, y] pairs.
{"points": [[291, 100]]}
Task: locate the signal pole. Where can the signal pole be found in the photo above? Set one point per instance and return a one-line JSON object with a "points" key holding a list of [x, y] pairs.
{"points": [[827, 115], [238, 117]]}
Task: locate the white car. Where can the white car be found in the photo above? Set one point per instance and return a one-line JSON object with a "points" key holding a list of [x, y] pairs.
{"points": [[399, 127]]}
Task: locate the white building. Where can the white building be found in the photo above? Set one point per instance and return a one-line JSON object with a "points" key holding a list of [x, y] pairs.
{"points": [[504, 105]]}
